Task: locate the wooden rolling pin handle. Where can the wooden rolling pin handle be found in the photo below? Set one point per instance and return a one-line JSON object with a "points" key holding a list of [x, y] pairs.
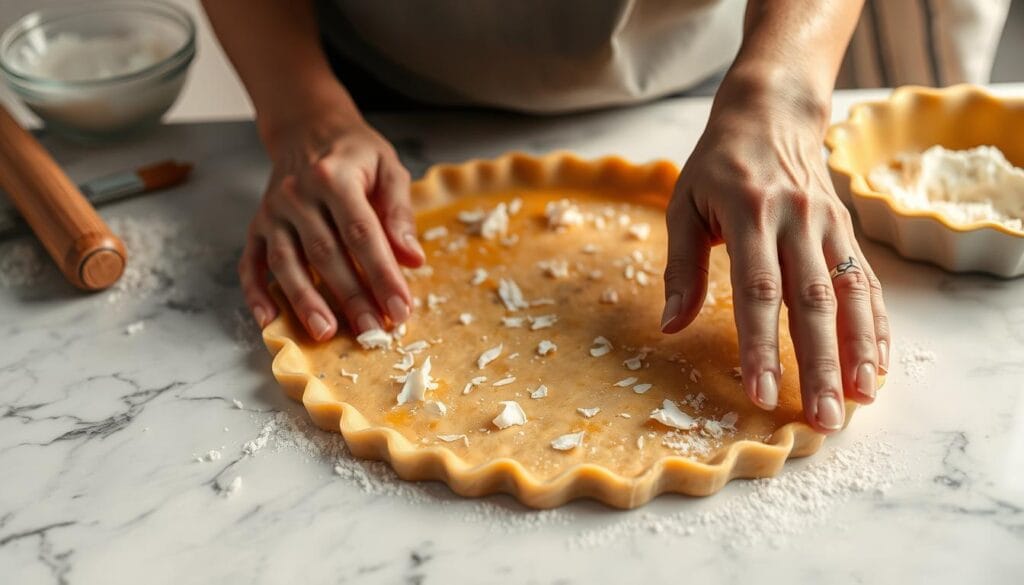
{"points": [[86, 251]]}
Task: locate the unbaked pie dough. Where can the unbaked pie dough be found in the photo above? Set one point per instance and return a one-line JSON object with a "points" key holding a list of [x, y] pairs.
{"points": [[548, 377]]}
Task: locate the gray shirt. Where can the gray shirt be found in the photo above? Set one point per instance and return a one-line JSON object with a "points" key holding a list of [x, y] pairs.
{"points": [[539, 56]]}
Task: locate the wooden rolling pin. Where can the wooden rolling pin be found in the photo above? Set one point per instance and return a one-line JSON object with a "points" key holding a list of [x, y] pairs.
{"points": [[84, 248]]}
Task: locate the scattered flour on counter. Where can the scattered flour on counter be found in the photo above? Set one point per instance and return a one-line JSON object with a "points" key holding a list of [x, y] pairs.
{"points": [[285, 431], [134, 328], [159, 251], [23, 263], [247, 334], [231, 488], [916, 360], [775, 508]]}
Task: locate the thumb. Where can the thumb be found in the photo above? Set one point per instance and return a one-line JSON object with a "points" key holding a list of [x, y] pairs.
{"points": [[686, 271]]}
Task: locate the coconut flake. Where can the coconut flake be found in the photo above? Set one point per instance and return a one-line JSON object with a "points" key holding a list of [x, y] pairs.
{"points": [[515, 206], [639, 231], [635, 362], [542, 321], [640, 442], [435, 408], [511, 295], [434, 233], [609, 296], [670, 416], [473, 216], [568, 442], [641, 278], [453, 438], [511, 415], [588, 412], [540, 392], [465, 318], [488, 356], [416, 384], [554, 268], [600, 346], [641, 388], [626, 382], [479, 276], [473, 384], [513, 322], [729, 420], [405, 363], [504, 381], [414, 347], [434, 300], [562, 214], [545, 347], [375, 338], [494, 224]]}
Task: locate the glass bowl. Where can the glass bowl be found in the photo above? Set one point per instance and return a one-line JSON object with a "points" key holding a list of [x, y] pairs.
{"points": [[99, 70]]}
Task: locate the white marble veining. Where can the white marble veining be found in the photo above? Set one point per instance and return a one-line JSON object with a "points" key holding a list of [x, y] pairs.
{"points": [[99, 429]]}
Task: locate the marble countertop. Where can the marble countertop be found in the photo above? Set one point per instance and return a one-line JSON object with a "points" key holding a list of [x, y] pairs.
{"points": [[102, 420]]}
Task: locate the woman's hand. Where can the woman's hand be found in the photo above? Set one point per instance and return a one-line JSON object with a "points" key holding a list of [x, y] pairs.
{"points": [[337, 201], [757, 181]]}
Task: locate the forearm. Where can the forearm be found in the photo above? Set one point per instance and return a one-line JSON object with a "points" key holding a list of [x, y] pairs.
{"points": [[274, 45], [793, 48]]}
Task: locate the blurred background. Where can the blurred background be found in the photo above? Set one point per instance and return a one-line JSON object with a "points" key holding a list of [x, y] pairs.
{"points": [[213, 91]]}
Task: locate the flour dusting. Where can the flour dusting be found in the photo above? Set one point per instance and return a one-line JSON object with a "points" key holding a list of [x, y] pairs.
{"points": [[774, 508], [916, 360], [159, 252], [23, 264], [284, 431]]}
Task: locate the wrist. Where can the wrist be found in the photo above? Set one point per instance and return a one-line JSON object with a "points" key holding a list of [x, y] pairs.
{"points": [[770, 89], [307, 104]]}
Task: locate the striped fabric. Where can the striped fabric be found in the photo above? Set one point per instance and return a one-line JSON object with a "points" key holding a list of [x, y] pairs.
{"points": [[924, 42]]}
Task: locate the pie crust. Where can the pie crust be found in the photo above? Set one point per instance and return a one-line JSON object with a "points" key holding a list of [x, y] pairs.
{"points": [[694, 369]]}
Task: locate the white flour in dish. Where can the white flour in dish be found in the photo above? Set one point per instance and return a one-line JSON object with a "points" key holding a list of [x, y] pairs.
{"points": [[966, 186]]}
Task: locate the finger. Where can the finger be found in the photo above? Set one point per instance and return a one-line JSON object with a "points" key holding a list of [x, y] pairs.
{"points": [[855, 319], [883, 337], [364, 239], [686, 270], [808, 293], [290, 271], [393, 206], [252, 275], [323, 251], [757, 298]]}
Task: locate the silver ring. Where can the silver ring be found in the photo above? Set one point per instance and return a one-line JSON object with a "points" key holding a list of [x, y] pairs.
{"points": [[845, 267]]}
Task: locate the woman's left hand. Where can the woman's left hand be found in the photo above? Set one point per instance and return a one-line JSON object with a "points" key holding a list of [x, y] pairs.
{"points": [[757, 182]]}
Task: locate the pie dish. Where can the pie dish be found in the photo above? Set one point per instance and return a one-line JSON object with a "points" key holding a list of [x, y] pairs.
{"points": [[557, 260], [913, 119]]}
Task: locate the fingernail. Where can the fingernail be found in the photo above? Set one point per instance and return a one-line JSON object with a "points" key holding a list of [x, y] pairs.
{"points": [[866, 379], [398, 309], [260, 315], [671, 312], [767, 390], [366, 322], [413, 243], [318, 325], [830, 412], [883, 357]]}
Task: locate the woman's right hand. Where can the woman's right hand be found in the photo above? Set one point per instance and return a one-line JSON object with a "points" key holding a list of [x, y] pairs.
{"points": [[337, 202]]}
